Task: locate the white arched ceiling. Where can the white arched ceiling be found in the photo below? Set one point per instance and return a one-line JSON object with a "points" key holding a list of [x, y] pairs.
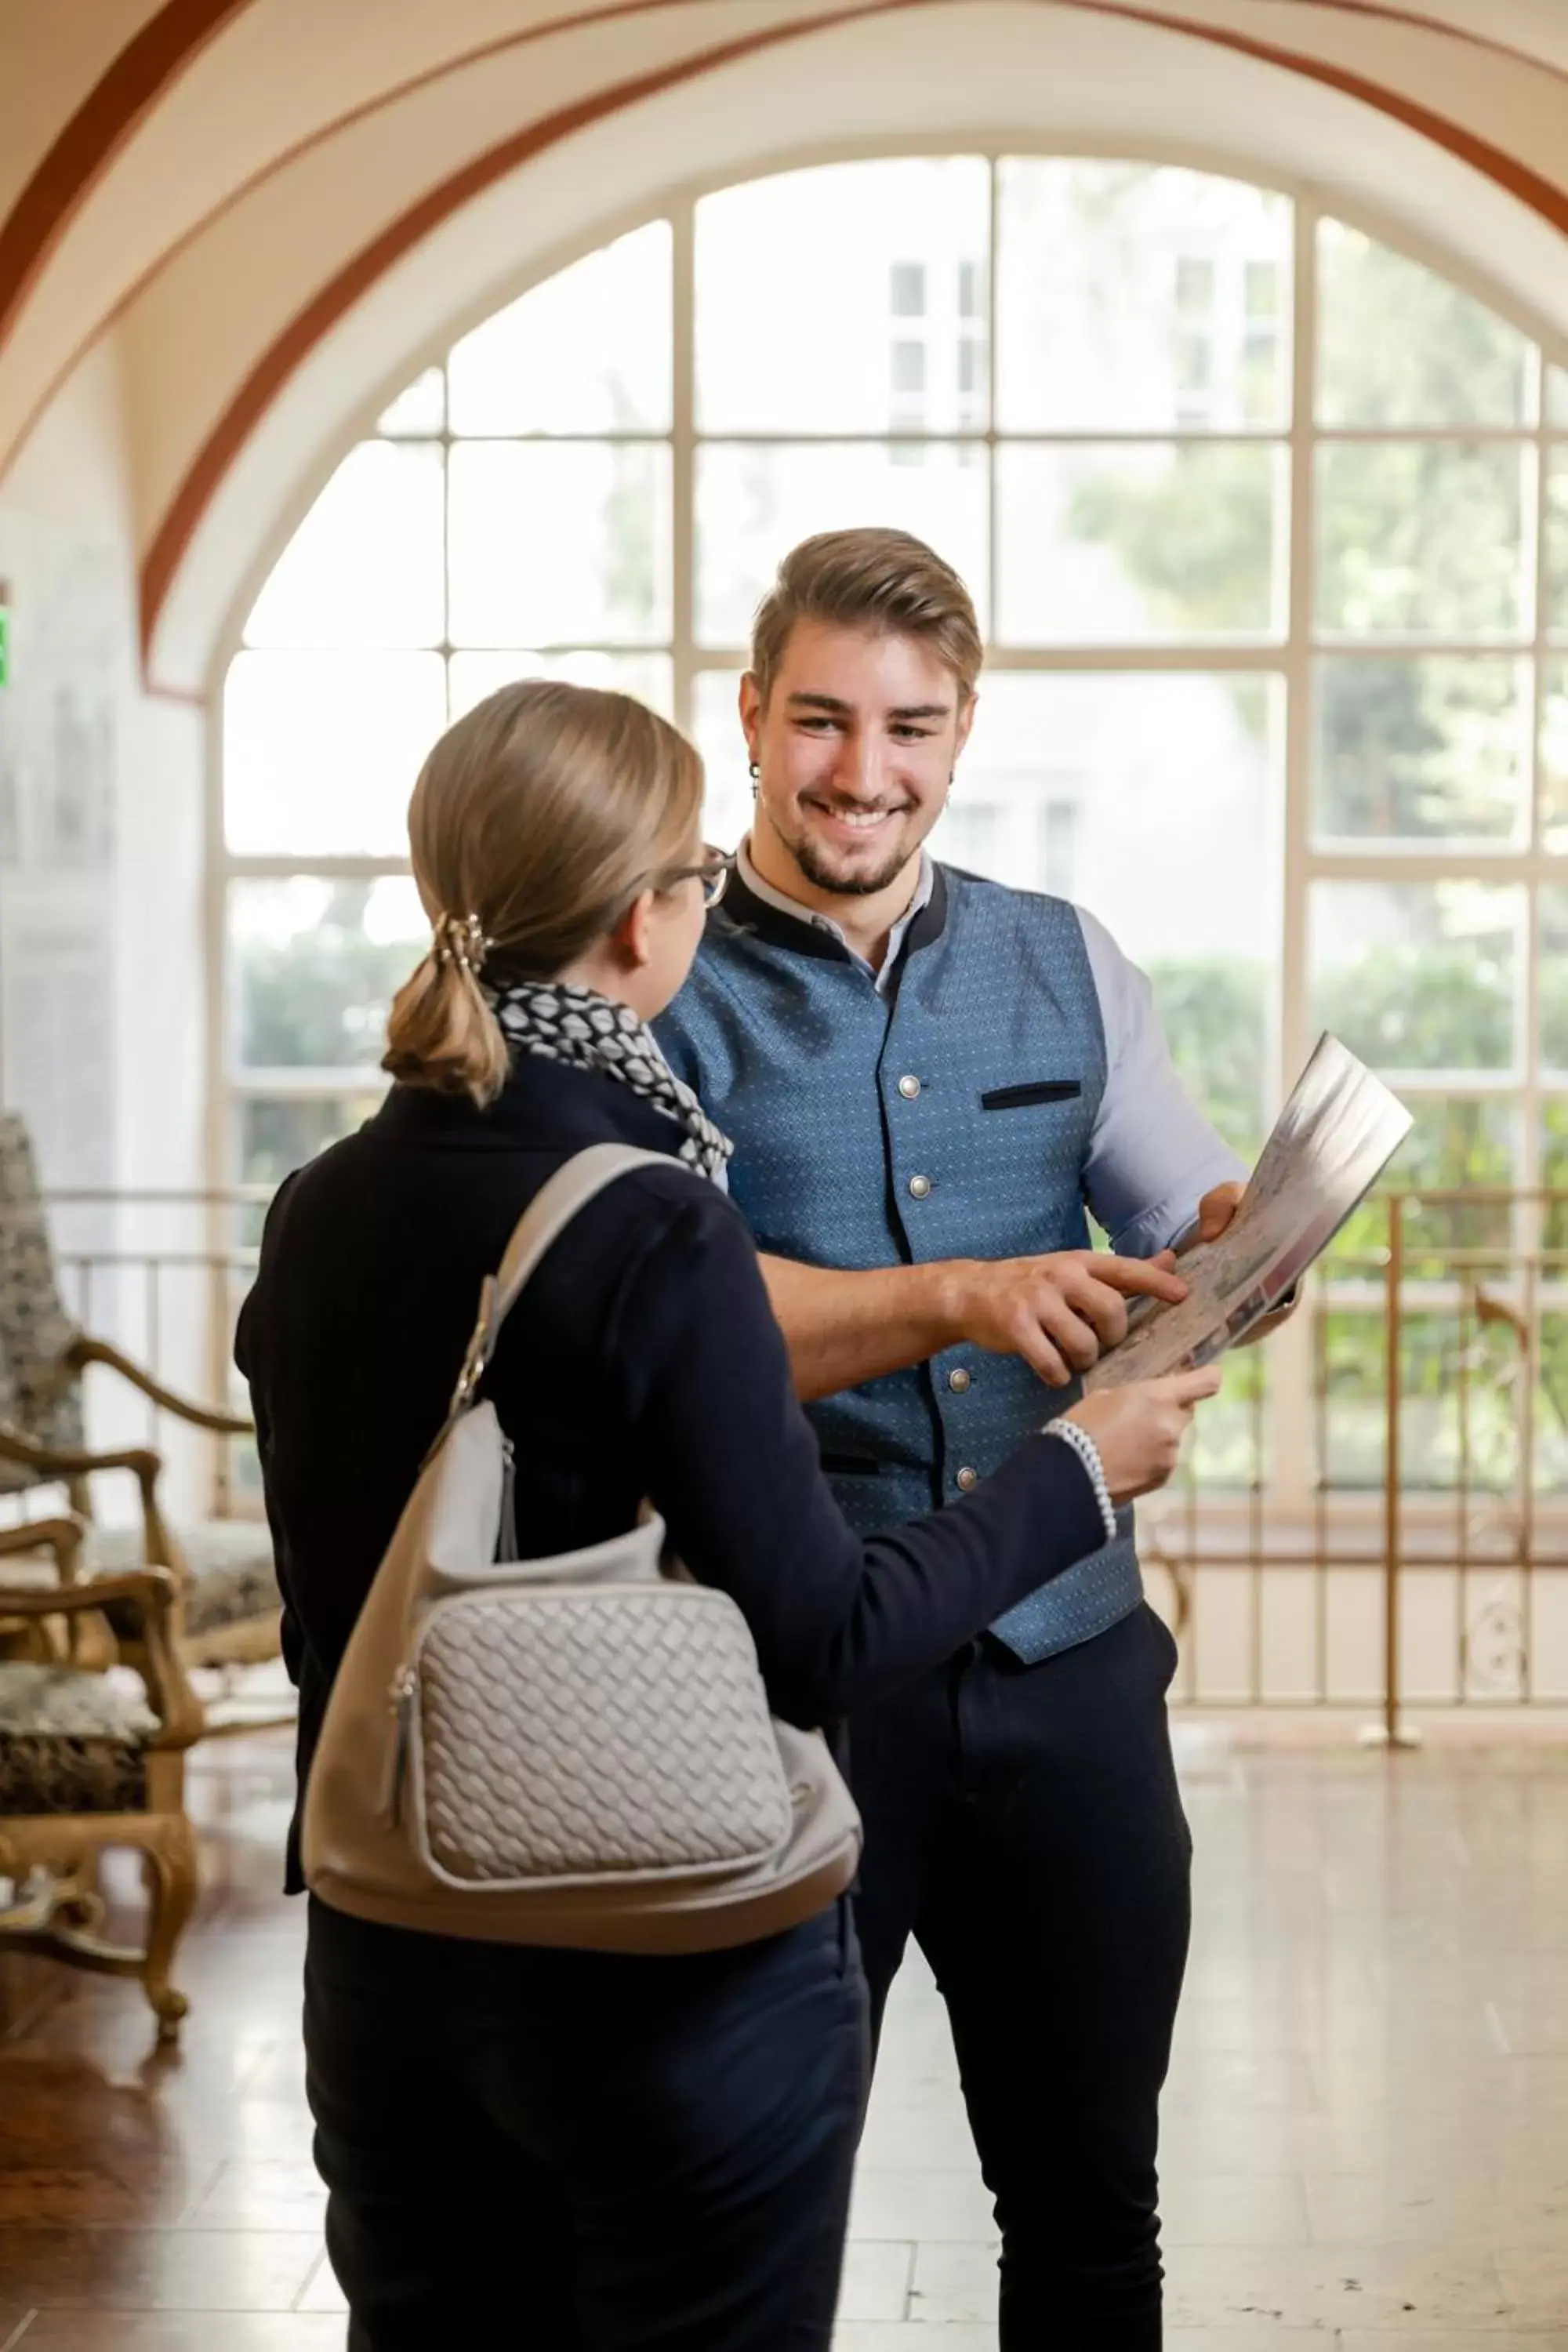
{"points": [[347, 114], [285, 207]]}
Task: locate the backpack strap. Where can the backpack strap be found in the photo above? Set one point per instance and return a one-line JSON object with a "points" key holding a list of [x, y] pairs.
{"points": [[546, 1217]]}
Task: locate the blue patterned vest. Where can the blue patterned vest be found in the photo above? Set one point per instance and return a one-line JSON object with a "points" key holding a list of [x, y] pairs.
{"points": [[952, 1122]]}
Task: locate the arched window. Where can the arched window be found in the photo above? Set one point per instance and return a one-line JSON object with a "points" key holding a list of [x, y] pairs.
{"points": [[1266, 525]]}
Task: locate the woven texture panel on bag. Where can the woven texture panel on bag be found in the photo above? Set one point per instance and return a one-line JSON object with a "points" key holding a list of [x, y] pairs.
{"points": [[566, 1734]]}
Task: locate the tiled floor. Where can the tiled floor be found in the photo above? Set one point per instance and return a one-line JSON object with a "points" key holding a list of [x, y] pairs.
{"points": [[1366, 2127]]}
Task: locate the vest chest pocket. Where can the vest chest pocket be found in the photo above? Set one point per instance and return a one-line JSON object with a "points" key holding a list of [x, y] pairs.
{"points": [[1041, 1090]]}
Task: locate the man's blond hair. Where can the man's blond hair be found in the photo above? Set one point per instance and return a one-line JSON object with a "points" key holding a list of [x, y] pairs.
{"points": [[885, 581]]}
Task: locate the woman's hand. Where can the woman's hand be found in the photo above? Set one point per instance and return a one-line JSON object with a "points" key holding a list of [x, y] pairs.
{"points": [[1139, 1429]]}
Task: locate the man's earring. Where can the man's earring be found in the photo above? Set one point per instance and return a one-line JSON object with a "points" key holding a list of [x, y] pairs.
{"points": [[754, 770]]}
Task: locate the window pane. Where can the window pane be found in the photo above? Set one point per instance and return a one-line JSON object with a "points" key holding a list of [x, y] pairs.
{"points": [[587, 351], [1554, 977], [1422, 537], [1554, 1175], [1448, 1423], [1456, 1140], [1419, 975], [556, 546], [1459, 1140], [1421, 750], [1099, 545], [315, 965], [321, 751], [1140, 298], [1554, 556], [785, 344], [1068, 783], [646, 676], [1556, 401], [1399, 346], [278, 1135], [421, 409], [716, 727], [972, 833], [753, 504], [1348, 1425], [1555, 755], [365, 567], [1229, 1450]]}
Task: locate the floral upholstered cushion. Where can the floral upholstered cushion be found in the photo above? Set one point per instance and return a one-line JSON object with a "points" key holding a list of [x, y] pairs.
{"points": [[34, 1329], [70, 1742], [232, 1575]]}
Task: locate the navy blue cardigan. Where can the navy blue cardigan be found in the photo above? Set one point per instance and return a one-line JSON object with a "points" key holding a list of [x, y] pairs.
{"points": [[643, 1359]]}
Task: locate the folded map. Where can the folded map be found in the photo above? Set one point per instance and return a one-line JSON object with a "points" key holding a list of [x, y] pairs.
{"points": [[1330, 1144]]}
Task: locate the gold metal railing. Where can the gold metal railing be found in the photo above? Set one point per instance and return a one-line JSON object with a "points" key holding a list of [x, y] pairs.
{"points": [[1397, 1459], [1375, 1514]]}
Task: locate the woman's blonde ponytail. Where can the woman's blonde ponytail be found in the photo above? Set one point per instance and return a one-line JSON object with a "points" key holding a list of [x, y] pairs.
{"points": [[535, 821], [441, 1032]]}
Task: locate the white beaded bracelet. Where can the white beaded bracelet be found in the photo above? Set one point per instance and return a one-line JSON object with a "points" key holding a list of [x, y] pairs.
{"points": [[1087, 1453]]}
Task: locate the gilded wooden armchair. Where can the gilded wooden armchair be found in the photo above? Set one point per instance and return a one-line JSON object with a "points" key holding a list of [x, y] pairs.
{"points": [[86, 1767], [43, 1555], [228, 1587]]}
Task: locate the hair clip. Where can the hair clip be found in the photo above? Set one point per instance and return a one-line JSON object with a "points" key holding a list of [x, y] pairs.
{"points": [[460, 939]]}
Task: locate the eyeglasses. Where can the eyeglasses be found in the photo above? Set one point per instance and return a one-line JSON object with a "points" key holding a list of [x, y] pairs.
{"points": [[714, 874]]}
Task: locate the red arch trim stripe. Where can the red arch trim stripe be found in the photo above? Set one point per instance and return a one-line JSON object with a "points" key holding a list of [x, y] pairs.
{"points": [[88, 143]]}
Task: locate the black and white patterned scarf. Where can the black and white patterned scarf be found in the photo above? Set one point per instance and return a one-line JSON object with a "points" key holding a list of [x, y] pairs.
{"points": [[578, 1026]]}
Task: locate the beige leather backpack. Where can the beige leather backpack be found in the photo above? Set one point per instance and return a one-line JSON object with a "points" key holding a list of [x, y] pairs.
{"points": [[573, 1751]]}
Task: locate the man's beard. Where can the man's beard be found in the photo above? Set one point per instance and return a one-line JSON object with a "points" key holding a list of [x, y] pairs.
{"points": [[862, 886]]}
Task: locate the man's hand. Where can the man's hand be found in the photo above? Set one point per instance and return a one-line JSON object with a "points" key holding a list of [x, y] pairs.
{"points": [[1216, 1211], [1060, 1312]]}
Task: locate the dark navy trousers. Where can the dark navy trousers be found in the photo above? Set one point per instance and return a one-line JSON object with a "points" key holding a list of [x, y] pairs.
{"points": [[575, 2152], [1024, 1824]]}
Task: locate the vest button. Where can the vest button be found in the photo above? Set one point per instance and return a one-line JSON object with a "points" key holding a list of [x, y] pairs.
{"points": [[909, 1088], [920, 1186], [968, 1478], [958, 1379]]}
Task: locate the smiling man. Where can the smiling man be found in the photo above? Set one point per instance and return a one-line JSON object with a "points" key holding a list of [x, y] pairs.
{"points": [[929, 1078]]}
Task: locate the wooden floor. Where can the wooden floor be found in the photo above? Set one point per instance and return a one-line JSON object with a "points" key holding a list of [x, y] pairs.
{"points": [[1366, 2128]]}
